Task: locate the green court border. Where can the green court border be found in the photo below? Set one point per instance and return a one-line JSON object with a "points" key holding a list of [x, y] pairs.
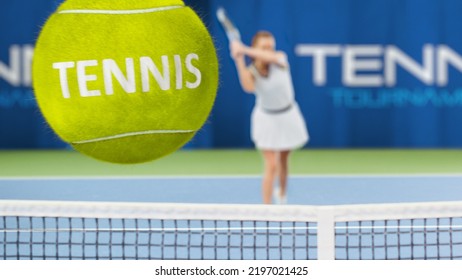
{"points": [[16, 163]]}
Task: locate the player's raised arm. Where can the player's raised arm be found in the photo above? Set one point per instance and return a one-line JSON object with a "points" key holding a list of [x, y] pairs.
{"points": [[267, 56], [246, 78]]}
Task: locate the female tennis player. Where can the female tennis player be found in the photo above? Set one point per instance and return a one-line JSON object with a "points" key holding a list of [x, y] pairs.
{"points": [[277, 124]]}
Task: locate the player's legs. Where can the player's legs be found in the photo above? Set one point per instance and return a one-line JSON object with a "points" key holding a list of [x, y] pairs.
{"points": [[283, 170], [270, 158]]}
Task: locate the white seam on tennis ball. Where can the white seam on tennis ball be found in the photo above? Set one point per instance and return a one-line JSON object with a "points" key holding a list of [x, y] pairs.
{"points": [[121, 12], [147, 132]]}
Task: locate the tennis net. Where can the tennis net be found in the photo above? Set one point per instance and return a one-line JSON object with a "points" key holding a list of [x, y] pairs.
{"points": [[97, 230]]}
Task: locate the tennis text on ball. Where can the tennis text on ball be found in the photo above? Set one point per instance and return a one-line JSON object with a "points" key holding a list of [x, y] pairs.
{"points": [[85, 71]]}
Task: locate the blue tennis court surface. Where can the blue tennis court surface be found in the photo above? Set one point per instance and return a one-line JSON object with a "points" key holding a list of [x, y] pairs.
{"points": [[303, 190], [197, 224]]}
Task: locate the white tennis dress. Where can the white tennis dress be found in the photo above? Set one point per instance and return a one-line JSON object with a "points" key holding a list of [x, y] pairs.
{"points": [[277, 123]]}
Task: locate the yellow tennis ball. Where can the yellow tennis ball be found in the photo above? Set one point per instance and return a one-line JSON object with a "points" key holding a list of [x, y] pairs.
{"points": [[125, 81]]}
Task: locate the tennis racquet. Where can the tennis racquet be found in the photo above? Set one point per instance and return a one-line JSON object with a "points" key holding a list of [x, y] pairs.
{"points": [[231, 31]]}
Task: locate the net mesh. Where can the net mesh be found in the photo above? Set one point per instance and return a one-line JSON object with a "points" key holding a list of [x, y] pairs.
{"points": [[412, 239], [68, 230], [61, 237]]}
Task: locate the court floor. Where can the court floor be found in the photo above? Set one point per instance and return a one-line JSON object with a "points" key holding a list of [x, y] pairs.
{"points": [[319, 177], [303, 190], [219, 178]]}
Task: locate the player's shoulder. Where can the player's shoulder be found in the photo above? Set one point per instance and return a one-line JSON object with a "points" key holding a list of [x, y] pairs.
{"points": [[251, 68], [281, 54], [282, 60]]}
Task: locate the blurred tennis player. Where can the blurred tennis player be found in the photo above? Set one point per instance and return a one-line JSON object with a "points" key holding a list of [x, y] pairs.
{"points": [[277, 124]]}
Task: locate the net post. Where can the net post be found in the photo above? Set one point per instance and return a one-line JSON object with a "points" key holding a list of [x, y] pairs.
{"points": [[326, 233]]}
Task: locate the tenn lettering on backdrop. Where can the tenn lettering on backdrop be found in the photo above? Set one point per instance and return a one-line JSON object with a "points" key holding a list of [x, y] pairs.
{"points": [[16, 72], [370, 75]]}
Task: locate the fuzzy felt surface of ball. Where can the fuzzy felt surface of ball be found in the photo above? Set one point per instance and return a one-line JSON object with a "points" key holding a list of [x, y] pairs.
{"points": [[125, 81]]}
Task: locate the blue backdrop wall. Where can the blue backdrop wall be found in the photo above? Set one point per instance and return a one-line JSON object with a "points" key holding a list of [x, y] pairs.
{"points": [[367, 73]]}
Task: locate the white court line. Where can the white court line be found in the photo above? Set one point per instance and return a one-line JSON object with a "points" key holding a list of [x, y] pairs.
{"points": [[230, 177]]}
